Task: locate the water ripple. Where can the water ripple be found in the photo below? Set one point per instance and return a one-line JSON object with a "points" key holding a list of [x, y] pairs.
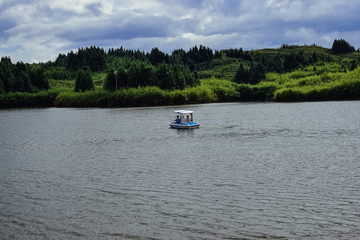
{"points": [[272, 171]]}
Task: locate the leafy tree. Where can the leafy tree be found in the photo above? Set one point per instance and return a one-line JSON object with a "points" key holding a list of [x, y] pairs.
{"points": [[341, 47], [22, 83], [179, 56], [191, 78], [157, 57], [217, 54], [234, 53], [257, 72], [178, 77], [7, 70], [84, 81], [274, 63], [300, 58], [38, 79], [353, 65], [163, 76], [201, 54], [122, 77], [253, 75], [93, 57], [61, 60], [242, 75], [21, 77], [1, 87], [314, 57], [110, 81], [140, 74], [290, 62]]}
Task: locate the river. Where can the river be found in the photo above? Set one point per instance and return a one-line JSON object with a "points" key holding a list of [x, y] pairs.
{"points": [[252, 170]]}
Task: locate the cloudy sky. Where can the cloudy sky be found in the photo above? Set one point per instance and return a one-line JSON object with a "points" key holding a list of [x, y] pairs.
{"points": [[38, 30]]}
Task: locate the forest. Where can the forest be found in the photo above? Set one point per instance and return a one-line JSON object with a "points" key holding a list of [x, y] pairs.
{"points": [[93, 77]]}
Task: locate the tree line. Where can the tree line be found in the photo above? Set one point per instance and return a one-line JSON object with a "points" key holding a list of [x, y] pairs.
{"points": [[140, 74], [135, 68], [340, 46], [21, 77], [254, 67], [129, 68], [98, 60]]}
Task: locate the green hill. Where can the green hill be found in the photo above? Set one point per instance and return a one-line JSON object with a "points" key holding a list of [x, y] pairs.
{"points": [[122, 77]]}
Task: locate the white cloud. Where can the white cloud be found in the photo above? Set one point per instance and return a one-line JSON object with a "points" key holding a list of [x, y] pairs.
{"points": [[41, 29], [303, 34], [286, 10]]}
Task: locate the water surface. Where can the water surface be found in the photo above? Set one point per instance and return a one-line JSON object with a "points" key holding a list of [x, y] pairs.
{"points": [[252, 170]]}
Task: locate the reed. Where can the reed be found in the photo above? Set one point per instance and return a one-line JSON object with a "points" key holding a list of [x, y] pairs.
{"points": [[328, 86], [28, 100], [223, 90]]}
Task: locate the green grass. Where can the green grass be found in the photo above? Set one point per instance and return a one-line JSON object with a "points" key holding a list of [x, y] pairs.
{"points": [[62, 84], [327, 86], [135, 97], [324, 80], [98, 79], [314, 83]]}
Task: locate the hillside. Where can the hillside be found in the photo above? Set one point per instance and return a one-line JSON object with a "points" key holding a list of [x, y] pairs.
{"points": [[92, 77]]}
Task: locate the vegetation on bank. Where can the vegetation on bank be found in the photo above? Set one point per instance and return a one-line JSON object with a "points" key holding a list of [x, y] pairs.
{"points": [[26, 99], [324, 87], [124, 78]]}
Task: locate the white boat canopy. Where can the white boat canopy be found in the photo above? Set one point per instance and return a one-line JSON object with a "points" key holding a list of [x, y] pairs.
{"points": [[183, 112]]}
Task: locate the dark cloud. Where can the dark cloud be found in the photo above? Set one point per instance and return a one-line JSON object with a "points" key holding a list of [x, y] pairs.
{"points": [[44, 10], [94, 8], [118, 29], [5, 25], [30, 30]]}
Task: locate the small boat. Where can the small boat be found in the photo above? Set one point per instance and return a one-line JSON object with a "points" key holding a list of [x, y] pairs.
{"points": [[184, 120]]}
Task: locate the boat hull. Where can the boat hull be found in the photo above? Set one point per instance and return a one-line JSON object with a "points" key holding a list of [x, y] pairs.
{"points": [[190, 125]]}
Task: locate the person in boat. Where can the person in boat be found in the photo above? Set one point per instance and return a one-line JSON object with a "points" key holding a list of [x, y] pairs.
{"points": [[187, 119], [177, 120], [182, 119]]}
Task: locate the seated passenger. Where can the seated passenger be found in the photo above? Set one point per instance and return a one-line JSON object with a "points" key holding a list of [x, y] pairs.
{"points": [[177, 120], [182, 119]]}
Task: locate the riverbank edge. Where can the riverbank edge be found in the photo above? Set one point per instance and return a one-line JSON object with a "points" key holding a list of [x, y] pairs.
{"points": [[153, 96]]}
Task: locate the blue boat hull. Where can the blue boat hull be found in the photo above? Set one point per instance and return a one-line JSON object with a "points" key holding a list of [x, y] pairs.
{"points": [[189, 125]]}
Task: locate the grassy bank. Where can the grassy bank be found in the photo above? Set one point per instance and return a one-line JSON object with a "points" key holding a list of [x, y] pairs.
{"points": [[326, 86], [311, 84], [28, 100], [135, 97], [318, 82], [210, 90]]}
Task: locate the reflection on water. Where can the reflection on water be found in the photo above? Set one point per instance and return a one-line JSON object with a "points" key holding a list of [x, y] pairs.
{"points": [[254, 170]]}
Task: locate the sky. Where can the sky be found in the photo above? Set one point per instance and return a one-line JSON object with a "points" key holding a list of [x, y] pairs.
{"points": [[39, 30]]}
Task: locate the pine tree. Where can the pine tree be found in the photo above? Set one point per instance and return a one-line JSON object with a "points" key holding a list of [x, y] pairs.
{"points": [[157, 57], [122, 77], [257, 72], [84, 81], [341, 47], [110, 81], [242, 75]]}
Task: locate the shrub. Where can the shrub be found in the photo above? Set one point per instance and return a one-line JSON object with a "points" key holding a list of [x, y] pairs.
{"points": [[84, 81], [25, 99]]}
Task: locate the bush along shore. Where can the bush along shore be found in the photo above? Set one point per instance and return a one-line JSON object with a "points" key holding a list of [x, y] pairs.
{"points": [[324, 87], [126, 78], [221, 91]]}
